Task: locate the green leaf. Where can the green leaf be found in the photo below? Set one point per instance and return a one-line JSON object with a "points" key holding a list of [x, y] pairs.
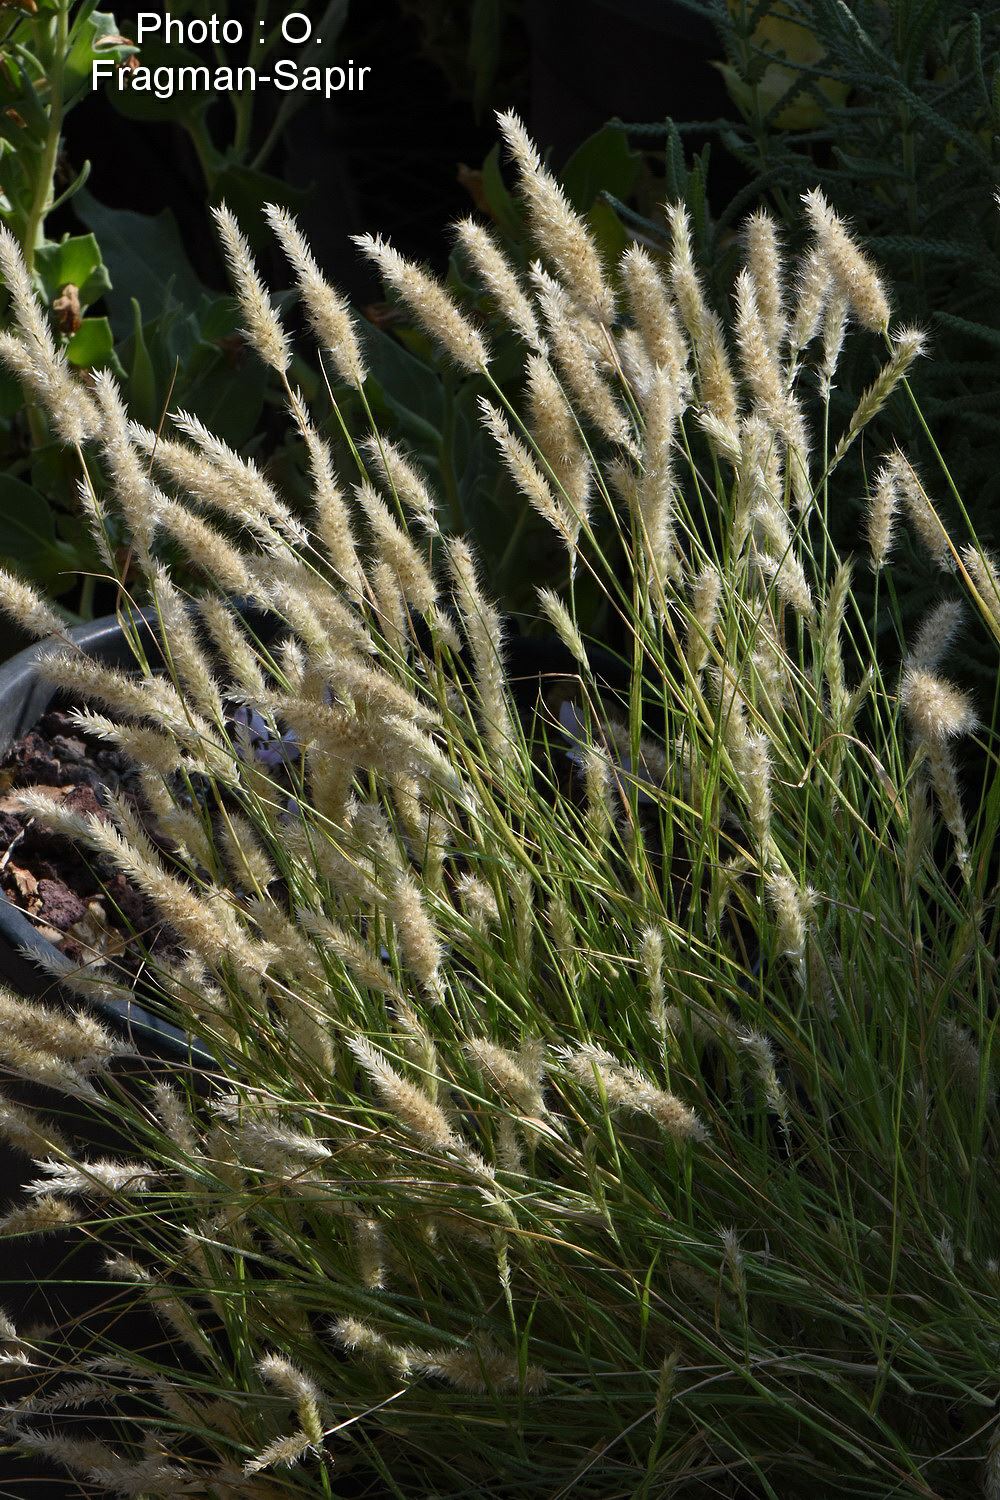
{"points": [[87, 34], [474, 461], [29, 122], [228, 400], [173, 341], [410, 388], [186, 107], [244, 190], [145, 257], [71, 190], [605, 162], [609, 232], [219, 318], [76, 260], [142, 402], [484, 50], [223, 385], [501, 205], [28, 535], [92, 345], [11, 395]]}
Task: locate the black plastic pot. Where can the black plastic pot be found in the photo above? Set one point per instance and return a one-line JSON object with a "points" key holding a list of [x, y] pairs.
{"points": [[44, 1280], [24, 697]]}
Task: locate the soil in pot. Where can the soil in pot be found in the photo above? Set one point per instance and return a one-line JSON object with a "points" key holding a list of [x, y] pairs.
{"points": [[86, 909]]}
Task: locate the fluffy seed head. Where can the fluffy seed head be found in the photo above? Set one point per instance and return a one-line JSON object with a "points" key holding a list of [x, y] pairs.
{"points": [[751, 757], [478, 900], [652, 963], [706, 592], [982, 569], [965, 1059], [331, 517], [28, 1131], [482, 627], [919, 508], [834, 332], [683, 274], [500, 280], [137, 496], [626, 1088], [57, 390], [552, 422], [716, 386], [813, 285], [557, 437], [231, 482], [850, 268], [883, 505], [187, 658], [395, 549], [413, 1108], [937, 711], [418, 938], [656, 497], [218, 480], [778, 560], [600, 797], [763, 252], [260, 322], [46, 1214], [32, 355], [27, 609], [28, 312], [758, 357], [328, 313], [206, 548], [831, 623], [283, 1452], [92, 1179], [907, 345], [655, 315], [563, 624], [405, 481], [359, 1338], [509, 1073], [791, 907], [944, 779], [560, 233], [527, 476], [936, 636], [429, 303], [76, 1038], [577, 359], [287, 1378], [480, 1369]]}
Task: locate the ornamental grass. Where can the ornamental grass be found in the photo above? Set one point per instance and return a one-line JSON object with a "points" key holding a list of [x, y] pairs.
{"points": [[592, 1098]]}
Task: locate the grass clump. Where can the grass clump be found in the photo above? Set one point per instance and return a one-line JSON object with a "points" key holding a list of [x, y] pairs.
{"points": [[600, 1098]]}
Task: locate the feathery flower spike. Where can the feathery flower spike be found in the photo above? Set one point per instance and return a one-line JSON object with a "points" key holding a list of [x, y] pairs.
{"points": [[429, 303], [559, 231]]}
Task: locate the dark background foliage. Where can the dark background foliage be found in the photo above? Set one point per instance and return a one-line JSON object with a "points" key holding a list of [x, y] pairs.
{"points": [[414, 151], [892, 105]]}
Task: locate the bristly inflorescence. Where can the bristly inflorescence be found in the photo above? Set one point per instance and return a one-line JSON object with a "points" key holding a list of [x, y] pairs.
{"points": [[534, 1012]]}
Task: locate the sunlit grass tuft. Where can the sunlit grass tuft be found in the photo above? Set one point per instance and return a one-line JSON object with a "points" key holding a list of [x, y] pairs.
{"points": [[603, 1100]]}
